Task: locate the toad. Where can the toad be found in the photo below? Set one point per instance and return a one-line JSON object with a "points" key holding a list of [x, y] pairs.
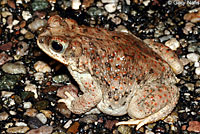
{"points": [[117, 72]]}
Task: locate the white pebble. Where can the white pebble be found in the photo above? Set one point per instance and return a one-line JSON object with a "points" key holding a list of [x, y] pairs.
{"points": [[197, 70], [20, 124], [110, 7], [14, 68], [31, 88], [27, 105], [193, 57], [42, 118], [76, 4], [12, 112], [15, 22], [196, 64], [41, 66], [67, 125], [26, 15], [36, 24], [172, 44], [6, 94], [110, 1]]}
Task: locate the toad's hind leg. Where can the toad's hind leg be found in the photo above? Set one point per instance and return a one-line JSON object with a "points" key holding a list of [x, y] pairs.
{"points": [[151, 104]]}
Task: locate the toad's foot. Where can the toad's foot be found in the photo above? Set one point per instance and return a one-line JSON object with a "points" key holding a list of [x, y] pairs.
{"points": [[139, 123], [68, 100]]}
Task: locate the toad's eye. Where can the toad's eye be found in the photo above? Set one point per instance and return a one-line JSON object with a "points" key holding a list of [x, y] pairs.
{"points": [[56, 46]]}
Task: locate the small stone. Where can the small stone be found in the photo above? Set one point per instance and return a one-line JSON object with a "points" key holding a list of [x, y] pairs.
{"points": [[6, 94], [74, 128], [22, 48], [39, 5], [188, 28], [8, 81], [31, 112], [76, 4], [36, 24], [172, 44], [124, 129], [6, 14], [42, 118], [20, 129], [193, 17], [6, 46], [14, 68], [31, 88], [3, 116], [41, 130], [41, 105], [193, 57], [34, 122], [111, 7], [60, 78], [29, 35], [197, 70], [26, 15], [47, 113], [27, 105], [41, 66], [109, 1], [62, 108], [110, 123], [190, 86], [87, 3], [194, 126], [11, 3], [67, 125], [39, 76], [89, 119]]}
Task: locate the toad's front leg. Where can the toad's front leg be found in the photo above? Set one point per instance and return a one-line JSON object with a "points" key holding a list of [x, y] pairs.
{"points": [[91, 96]]}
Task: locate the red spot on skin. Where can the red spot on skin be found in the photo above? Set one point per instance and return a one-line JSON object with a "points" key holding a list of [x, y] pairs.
{"points": [[113, 87], [118, 58], [160, 96], [165, 95], [121, 88], [86, 83], [97, 72], [155, 104], [163, 69], [160, 90], [144, 96], [150, 90]]}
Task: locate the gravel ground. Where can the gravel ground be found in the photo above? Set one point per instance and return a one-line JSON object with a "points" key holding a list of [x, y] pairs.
{"points": [[29, 78]]}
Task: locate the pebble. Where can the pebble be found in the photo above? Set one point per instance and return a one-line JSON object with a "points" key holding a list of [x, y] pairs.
{"points": [[193, 17], [22, 48], [193, 57], [76, 4], [60, 78], [67, 125], [8, 81], [41, 66], [188, 28], [47, 113], [73, 128], [41, 130], [36, 24], [34, 122], [111, 7], [109, 1], [62, 108], [20, 129], [6, 94], [197, 71], [29, 35], [172, 44], [194, 126], [14, 68], [124, 129], [3, 116], [26, 15], [89, 119], [39, 76], [87, 3], [7, 46], [39, 5], [27, 105], [31, 88], [31, 112], [42, 117]]}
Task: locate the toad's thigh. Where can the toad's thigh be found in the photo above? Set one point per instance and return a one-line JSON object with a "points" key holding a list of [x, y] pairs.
{"points": [[152, 98]]}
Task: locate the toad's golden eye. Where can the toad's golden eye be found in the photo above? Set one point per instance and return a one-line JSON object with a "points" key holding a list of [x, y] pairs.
{"points": [[56, 46]]}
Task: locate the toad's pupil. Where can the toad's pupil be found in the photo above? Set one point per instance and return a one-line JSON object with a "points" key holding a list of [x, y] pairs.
{"points": [[56, 46]]}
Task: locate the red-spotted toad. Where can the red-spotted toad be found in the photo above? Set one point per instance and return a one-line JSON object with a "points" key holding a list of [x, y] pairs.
{"points": [[117, 72]]}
